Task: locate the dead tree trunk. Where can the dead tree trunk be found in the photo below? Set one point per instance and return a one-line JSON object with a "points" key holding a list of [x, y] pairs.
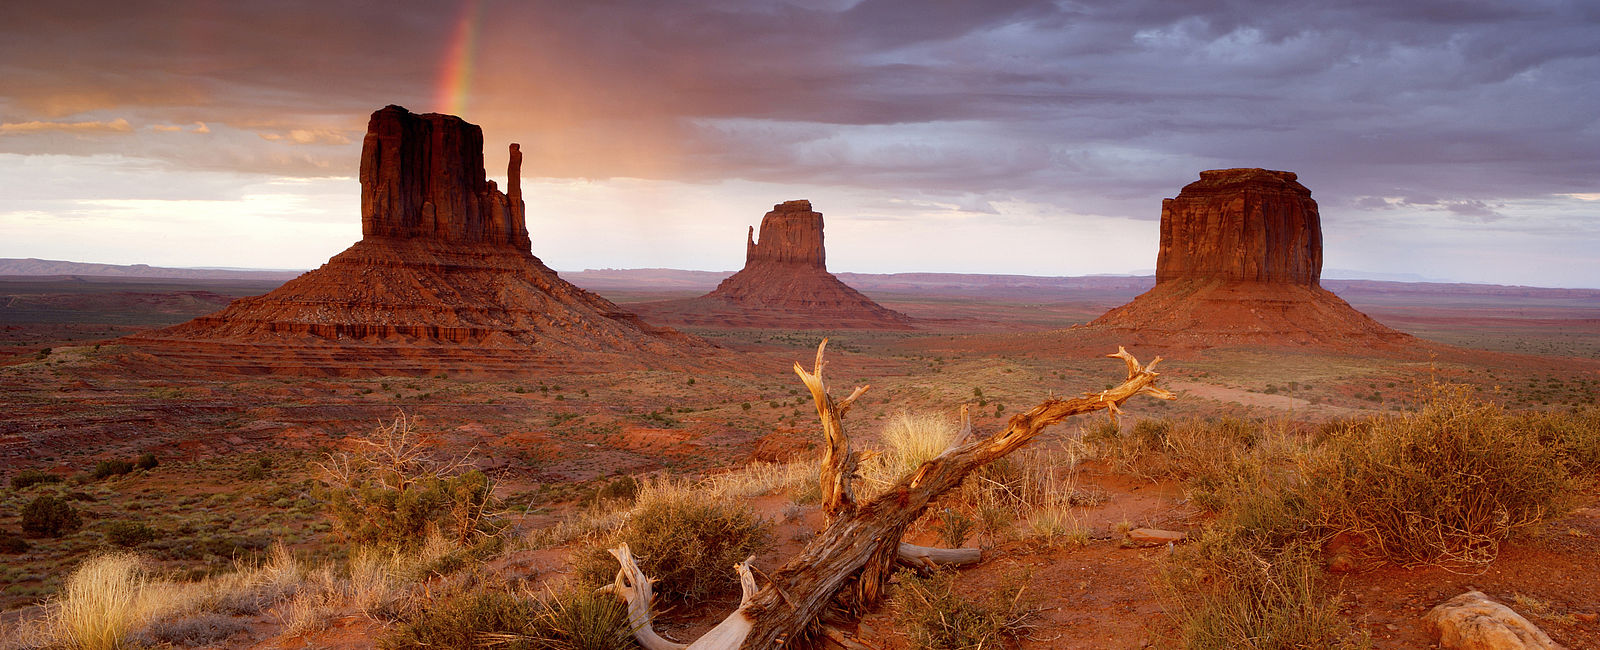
{"points": [[851, 560]]}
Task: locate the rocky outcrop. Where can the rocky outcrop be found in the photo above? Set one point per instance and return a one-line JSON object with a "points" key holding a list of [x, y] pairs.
{"points": [[1241, 225], [791, 234], [442, 280], [1240, 263], [1471, 621], [784, 283], [422, 177]]}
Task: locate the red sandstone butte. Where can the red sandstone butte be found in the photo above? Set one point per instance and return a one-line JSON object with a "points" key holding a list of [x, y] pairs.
{"points": [[785, 283], [1241, 263], [443, 280]]}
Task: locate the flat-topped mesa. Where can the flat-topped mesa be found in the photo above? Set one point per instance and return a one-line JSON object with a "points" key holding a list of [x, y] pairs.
{"points": [[790, 234], [1241, 225], [422, 178]]}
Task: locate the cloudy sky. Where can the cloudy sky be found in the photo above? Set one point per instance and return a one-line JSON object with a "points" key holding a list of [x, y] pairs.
{"points": [[1443, 139]]}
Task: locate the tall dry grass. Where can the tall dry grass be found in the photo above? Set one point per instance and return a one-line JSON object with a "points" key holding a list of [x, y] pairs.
{"points": [[103, 601], [908, 440]]}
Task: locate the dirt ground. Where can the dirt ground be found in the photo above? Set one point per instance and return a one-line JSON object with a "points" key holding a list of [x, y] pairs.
{"points": [[84, 400]]}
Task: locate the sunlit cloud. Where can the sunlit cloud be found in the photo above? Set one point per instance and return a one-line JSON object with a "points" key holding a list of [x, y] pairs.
{"points": [[118, 125]]}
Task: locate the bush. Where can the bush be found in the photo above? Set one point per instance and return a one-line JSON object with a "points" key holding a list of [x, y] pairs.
{"points": [[1444, 485], [30, 477], [146, 461], [1232, 591], [48, 516], [12, 544], [573, 619], [200, 629], [937, 618], [686, 538], [395, 491], [110, 468], [129, 534]]}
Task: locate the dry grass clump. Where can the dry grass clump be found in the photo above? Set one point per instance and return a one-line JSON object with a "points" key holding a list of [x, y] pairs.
{"points": [[685, 536], [909, 440], [1446, 484], [103, 601], [937, 617]]}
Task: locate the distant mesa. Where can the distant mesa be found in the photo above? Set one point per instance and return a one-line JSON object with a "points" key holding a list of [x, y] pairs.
{"points": [[785, 283], [443, 280], [1241, 263]]}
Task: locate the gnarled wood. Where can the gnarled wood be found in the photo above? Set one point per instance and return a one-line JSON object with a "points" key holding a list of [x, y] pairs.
{"points": [[850, 561], [634, 587], [853, 557]]}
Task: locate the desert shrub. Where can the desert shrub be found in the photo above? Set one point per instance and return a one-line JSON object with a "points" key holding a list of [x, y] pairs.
{"points": [[30, 477], [128, 534], [954, 526], [48, 516], [621, 488], [1232, 590], [393, 491], [101, 603], [110, 468], [1576, 434], [146, 461], [574, 619], [198, 629], [466, 620], [12, 544], [937, 617], [1445, 484], [684, 537]]}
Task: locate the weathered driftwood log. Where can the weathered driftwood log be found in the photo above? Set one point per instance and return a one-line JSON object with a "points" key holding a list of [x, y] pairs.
{"points": [[850, 561]]}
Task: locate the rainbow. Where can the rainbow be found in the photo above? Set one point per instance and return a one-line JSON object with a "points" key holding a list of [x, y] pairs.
{"points": [[455, 84]]}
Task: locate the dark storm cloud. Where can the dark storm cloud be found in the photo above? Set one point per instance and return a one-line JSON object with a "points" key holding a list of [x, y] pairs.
{"points": [[1105, 106]]}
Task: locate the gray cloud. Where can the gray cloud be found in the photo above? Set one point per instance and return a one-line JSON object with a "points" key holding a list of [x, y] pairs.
{"points": [[1096, 107]]}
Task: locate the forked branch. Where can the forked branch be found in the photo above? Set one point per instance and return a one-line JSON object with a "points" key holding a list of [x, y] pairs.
{"points": [[850, 561]]}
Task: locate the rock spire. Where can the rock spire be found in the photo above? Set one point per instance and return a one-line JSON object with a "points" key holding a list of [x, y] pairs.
{"points": [[422, 177]]}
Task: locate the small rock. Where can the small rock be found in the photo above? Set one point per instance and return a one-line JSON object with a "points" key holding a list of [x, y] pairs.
{"points": [[1587, 617], [1471, 621], [1154, 536]]}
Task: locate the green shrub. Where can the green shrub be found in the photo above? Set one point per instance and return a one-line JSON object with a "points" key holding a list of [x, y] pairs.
{"points": [[146, 461], [621, 488], [936, 617], [393, 492], [466, 621], [1445, 484], [110, 468], [30, 477], [48, 516], [12, 544], [684, 538], [129, 534]]}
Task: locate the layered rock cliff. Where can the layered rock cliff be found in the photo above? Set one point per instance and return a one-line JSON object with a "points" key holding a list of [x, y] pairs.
{"points": [[443, 280], [784, 283], [1240, 263], [1245, 225]]}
